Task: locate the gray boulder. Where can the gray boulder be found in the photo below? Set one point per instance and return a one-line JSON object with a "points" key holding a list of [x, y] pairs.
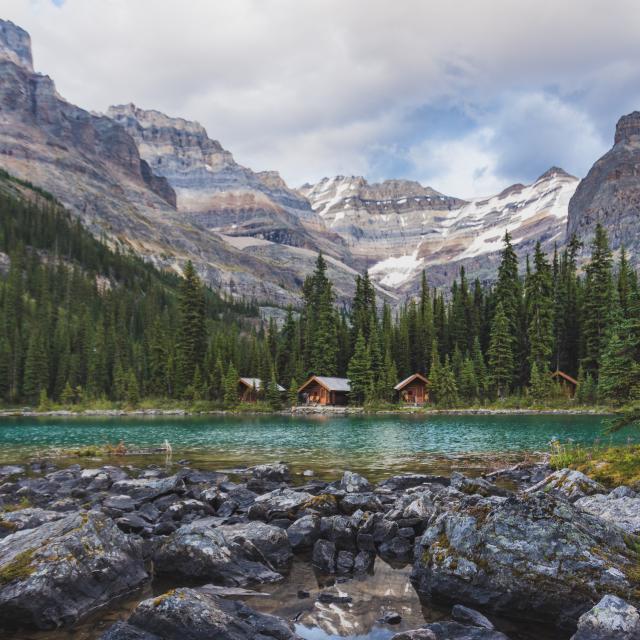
{"points": [[364, 501], [304, 532], [529, 556], [29, 518], [466, 615], [568, 483], [324, 556], [354, 483], [623, 511], [53, 574], [611, 619], [144, 490], [277, 472], [195, 614], [475, 486], [270, 543], [280, 503], [200, 551]]}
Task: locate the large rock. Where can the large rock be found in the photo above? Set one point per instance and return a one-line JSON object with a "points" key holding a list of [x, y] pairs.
{"points": [[529, 556], [569, 483], [280, 503], [304, 532], [195, 614], [354, 483], [623, 511], [477, 486], [611, 619], [55, 573], [29, 518], [277, 472], [271, 543], [199, 551], [143, 490]]}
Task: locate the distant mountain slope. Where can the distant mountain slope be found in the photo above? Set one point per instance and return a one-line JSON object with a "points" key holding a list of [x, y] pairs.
{"points": [[403, 227], [610, 192]]}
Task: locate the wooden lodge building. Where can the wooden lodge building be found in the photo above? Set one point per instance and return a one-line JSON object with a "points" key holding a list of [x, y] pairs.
{"points": [[413, 390], [249, 388], [324, 390], [566, 382]]}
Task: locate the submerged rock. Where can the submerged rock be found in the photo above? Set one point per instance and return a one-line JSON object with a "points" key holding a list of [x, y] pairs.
{"points": [[568, 483], [55, 573], [611, 619], [278, 472], [466, 615], [195, 614], [450, 631], [529, 556]]}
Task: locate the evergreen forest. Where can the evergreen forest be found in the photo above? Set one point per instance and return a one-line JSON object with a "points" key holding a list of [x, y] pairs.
{"points": [[84, 323]]}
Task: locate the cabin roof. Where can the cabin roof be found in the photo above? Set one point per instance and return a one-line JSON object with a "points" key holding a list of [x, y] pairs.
{"points": [[330, 384], [409, 380], [566, 376], [255, 382]]}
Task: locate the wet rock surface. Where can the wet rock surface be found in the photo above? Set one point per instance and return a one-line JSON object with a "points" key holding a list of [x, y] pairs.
{"points": [[196, 614], [73, 539]]}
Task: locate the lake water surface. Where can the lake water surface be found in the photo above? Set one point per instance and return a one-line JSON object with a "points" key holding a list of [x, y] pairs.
{"points": [[379, 445]]}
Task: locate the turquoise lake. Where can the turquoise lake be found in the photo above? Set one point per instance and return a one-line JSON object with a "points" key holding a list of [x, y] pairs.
{"points": [[379, 445]]}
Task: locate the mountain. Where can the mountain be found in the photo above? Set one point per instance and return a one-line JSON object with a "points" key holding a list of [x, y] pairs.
{"points": [[403, 227], [92, 165], [610, 192]]}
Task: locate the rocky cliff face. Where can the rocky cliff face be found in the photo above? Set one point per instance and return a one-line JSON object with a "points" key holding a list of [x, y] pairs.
{"points": [[217, 193], [610, 193], [92, 164], [402, 227]]}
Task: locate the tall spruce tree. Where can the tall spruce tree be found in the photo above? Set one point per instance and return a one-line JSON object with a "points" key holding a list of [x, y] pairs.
{"points": [[191, 339], [598, 300], [501, 353], [540, 313]]}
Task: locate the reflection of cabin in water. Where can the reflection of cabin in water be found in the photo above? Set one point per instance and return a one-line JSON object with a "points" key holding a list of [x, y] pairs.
{"points": [[323, 390], [413, 390], [250, 388], [566, 382]]}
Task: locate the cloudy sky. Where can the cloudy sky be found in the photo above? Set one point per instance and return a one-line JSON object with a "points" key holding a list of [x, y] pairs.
{"points": [[467, 96]]}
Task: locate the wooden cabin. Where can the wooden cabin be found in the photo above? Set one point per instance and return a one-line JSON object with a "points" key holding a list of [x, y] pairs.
{"points": [[413, 390], [325, 391], [250, 388], [566, 382]]}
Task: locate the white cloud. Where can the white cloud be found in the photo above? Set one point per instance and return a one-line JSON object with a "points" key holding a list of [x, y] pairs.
{"points": [[321, 86]]}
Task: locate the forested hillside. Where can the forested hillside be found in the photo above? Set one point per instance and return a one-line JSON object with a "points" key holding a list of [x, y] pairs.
{"points": [[81, 322]]}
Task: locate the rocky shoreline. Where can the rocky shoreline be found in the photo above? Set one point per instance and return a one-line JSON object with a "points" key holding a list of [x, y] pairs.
{"points": [[554, 548]]}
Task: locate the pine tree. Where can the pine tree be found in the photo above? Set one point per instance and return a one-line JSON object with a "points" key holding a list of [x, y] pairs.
{"points": [[359, 372], [500, 353], [36, 369], [540, 313], [468, 382], [447, 388], [273, 396], [292, 394], [191, 339], [479, 368], [231, 387], [598, 298], [68, 396], [133, 390]]}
